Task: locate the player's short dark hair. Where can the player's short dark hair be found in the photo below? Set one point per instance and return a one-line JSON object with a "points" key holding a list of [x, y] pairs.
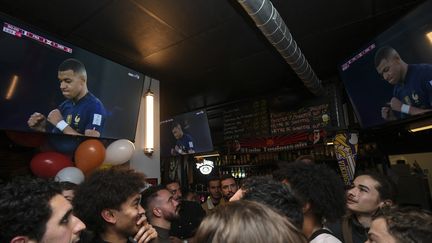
{"points": [[72, 64], [105, 189], [175, 124], [382, 54], [25, 207]]}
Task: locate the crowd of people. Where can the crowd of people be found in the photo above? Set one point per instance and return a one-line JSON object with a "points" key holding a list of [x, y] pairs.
{"points": [[300, 202]]}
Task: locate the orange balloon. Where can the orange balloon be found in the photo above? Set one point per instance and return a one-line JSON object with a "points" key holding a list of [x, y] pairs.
{"points": [[89, 155]]}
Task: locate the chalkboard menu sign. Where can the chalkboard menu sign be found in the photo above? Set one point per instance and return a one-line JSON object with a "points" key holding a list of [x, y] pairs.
{"points": [[306, 118], [246, 120]]}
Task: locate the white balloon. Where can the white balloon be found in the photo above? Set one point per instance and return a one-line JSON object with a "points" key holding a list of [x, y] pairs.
{"points": [[70, 174], [119, 152]]}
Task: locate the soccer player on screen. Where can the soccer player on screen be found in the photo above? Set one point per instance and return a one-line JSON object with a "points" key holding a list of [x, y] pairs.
{"points": [[184, 144], [81, 113], [412, 92]]}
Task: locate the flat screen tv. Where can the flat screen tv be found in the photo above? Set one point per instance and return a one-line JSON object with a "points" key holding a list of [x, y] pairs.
{"points": [[30, 77], [188, 133], [390, 78]]}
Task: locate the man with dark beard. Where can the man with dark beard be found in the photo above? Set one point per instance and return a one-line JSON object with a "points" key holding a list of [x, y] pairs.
{"points": [[190, 214], [161, 209], [229, 187]]}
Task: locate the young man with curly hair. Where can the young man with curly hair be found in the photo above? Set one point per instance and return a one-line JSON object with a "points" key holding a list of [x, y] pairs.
{"points": [[109, 203]]}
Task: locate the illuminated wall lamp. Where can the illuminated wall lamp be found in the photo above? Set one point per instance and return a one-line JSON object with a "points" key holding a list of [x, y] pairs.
{"points": [[429, 36], [149, 131]]}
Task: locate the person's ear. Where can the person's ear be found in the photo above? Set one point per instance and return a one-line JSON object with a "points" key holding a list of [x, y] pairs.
{"points": [[109, 216], [386, 203], [306, 208], [157, 212], [20, 239]]}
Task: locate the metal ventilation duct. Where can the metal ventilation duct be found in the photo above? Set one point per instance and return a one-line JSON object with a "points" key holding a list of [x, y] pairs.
{"points": [[268, 20]]}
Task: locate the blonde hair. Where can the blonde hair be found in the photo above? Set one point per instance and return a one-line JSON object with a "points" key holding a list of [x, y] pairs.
{"points": [[247, 222]]}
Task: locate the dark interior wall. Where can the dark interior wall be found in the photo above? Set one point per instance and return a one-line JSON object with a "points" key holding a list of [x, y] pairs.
{"points": [[14, 159]]}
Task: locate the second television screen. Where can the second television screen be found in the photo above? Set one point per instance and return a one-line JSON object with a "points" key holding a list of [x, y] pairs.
{"points": [[188, 133]]}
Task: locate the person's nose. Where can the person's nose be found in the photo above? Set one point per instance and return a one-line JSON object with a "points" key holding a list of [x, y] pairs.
{"points": [[351, 192], [62, 85], [78, 225], [141, 210]]}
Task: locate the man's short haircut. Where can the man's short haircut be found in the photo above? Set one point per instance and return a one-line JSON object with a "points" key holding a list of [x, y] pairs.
{"points": [[25, 207], [73, 64], [383, 53], [317, 185], [386, 187], [226, 176], [212, 178], [147, 198], [105, 189], [170, 181], [274, 194], [408, 225]]}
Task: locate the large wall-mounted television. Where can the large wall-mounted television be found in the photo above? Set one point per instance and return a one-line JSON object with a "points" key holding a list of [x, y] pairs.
{"points": [[188, 133], [29, 74], [381, 87]]}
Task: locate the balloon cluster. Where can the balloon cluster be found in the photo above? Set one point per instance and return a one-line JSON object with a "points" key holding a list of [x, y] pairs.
{"points": [[72, 158]]}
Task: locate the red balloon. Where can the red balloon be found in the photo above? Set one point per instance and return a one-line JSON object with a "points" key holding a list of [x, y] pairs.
{"points": [[48, 164], [27, 139], [89, 155]]}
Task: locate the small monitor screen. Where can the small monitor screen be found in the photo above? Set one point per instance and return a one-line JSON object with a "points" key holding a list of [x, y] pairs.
{"points": [[45, 81], [188, 133], [390, 78]]}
